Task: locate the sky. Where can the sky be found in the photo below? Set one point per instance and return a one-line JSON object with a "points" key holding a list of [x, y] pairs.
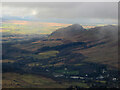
{"points": [[63, 12]]}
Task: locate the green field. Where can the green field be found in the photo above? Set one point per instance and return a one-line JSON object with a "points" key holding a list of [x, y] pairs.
{"points": [[49, 53], [43, 55]]}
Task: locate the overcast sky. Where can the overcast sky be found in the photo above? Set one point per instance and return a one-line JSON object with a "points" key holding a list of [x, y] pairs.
{"points": [[69, 12]]}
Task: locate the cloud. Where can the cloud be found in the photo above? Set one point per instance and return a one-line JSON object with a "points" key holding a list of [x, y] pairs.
{"points": [[64, 10]]}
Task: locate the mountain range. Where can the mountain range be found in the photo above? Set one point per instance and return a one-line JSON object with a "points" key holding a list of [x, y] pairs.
{"points": [[99, 44]]}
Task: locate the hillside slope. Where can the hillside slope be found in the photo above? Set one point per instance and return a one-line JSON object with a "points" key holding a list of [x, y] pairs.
{"points": [[101, 42]]}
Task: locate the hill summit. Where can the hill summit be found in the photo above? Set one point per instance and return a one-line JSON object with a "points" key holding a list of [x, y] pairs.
{"points": [[67, 32]]}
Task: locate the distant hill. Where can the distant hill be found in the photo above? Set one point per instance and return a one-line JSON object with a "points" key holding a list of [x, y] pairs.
{"points": [[77, 32], [102, 42], [67, 33]]}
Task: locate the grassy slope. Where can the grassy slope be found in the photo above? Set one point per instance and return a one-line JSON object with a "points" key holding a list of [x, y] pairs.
{"points": [[101, 54], [33, 46], [15, 80]]}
